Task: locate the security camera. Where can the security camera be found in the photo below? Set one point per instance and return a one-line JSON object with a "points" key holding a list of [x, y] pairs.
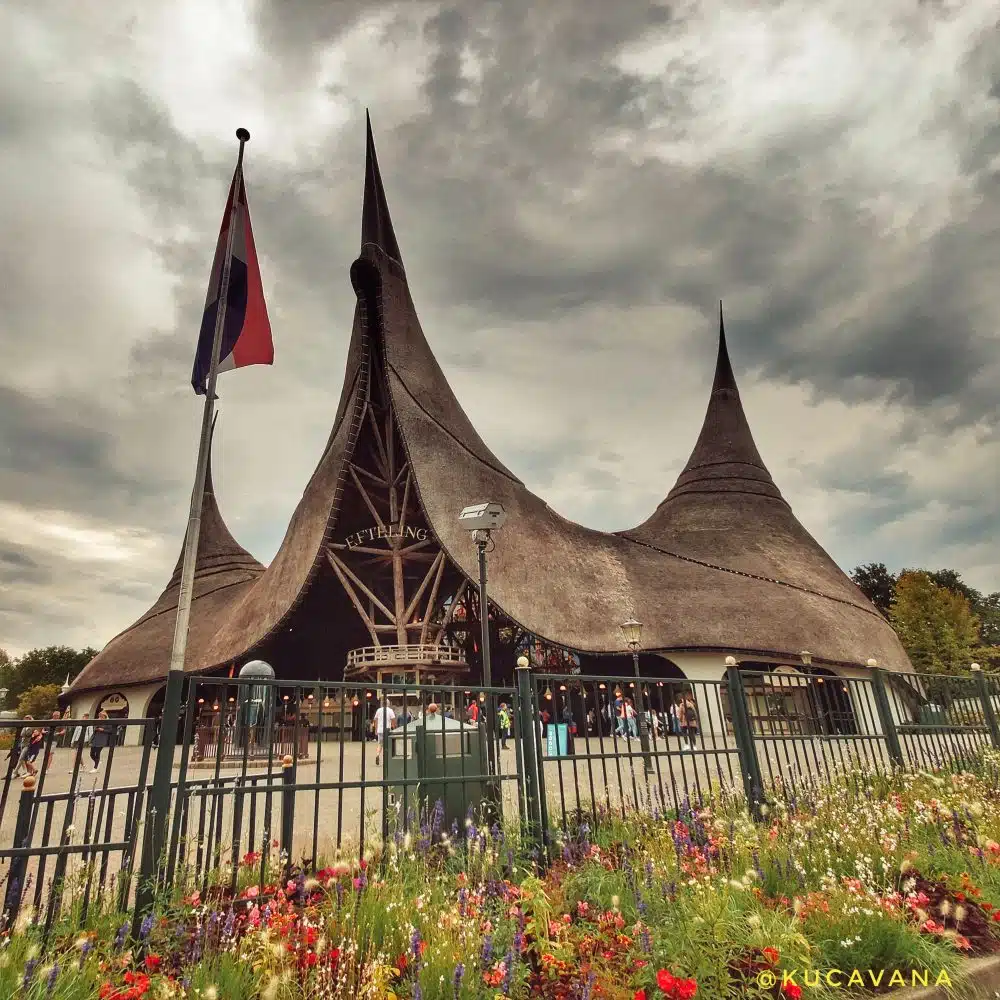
{"points": [[483, 517]]}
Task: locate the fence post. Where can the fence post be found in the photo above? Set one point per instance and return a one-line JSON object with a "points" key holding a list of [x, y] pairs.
{"points": [[19, 865], [158, 808], [885, 717], [529, 756], [753, 783], [288, 807], [987, 700]]}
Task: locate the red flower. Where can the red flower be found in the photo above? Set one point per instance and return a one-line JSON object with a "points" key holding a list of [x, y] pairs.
{"points": [[792, 990], [665, 980], [639, 995], [684, 989], [772, 955], [153, 962], [996, 917]]}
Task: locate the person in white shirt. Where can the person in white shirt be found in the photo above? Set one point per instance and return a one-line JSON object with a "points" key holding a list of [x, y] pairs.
{"points": [[385, 718]]}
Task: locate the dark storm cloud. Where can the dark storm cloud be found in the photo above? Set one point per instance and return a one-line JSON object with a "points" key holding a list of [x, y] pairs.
{"points": [[59, 453], [18, 567]]}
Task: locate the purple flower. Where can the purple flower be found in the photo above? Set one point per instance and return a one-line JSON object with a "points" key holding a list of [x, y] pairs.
{"points": [[415, 943], [50, 984], [508, 975], [29, 971], [457, 980], [487, 952], [120, 937], [146, 926]]}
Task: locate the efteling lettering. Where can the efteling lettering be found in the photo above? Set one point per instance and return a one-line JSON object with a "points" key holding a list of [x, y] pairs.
{"points": [[387, 531]]}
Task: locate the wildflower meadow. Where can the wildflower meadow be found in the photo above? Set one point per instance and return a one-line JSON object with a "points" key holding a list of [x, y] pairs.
{"points": [[888, 879]]}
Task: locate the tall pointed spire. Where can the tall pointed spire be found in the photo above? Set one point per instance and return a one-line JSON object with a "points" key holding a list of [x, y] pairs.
{"points": [[725, 459], [724, 377], [376, 226]]}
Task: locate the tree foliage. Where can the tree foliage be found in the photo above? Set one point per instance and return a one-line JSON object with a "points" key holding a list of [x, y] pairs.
{"points": [[877, 584], [935, 624], [51, 665], [40, 701]]}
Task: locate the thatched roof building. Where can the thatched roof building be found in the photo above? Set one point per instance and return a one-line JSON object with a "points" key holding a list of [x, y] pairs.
{"points": [[721, 566]]}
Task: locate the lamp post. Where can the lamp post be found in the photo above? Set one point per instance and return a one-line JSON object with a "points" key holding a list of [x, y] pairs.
{"points": [[632, 634], [482, 519]]}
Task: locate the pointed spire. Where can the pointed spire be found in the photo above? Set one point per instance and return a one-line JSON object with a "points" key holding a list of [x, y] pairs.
{"points": [[376, 226], [725, 459], [724, 377]]}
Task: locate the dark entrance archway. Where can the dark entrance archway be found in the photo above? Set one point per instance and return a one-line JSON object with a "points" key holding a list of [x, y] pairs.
{"points": [[831, 702]]}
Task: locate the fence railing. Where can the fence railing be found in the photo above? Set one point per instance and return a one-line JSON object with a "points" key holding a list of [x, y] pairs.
{"points": [[268, 774]]}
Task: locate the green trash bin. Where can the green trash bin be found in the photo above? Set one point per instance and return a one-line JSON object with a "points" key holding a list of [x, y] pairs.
{"points": [[448, 748], [400, 764]]}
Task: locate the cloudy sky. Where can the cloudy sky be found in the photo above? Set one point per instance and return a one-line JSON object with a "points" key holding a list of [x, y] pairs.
{"points": [[574, 185]]}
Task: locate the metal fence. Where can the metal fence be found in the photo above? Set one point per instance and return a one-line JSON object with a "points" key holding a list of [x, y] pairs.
{"points": [[268, 774], [74, 845]]}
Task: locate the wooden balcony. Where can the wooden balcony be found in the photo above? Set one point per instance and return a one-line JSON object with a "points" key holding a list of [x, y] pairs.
{"points": [[369, 659]]}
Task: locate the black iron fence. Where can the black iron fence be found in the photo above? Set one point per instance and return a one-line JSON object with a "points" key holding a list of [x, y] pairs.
{"points": [[267, 774]]}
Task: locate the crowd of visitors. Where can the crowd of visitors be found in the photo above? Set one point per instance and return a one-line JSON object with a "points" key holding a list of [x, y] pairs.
{"points": [[31, 740]]}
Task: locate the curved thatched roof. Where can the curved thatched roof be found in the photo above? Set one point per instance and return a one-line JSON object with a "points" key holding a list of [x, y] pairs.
{"points": [[224, 571], [722, 565]]}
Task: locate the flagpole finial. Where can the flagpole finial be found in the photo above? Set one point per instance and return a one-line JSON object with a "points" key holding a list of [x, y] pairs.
{"points": [[243, 135]]}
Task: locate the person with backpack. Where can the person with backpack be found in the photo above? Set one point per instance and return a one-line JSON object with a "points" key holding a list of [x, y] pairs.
{"points": [[689, 720]]}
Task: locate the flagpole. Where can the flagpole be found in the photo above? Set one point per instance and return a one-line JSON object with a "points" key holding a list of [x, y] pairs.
{"points": [[154, 843], [184, 599]]}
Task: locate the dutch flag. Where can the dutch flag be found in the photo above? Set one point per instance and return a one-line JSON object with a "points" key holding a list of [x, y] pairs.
{"points": [[246, 335]]}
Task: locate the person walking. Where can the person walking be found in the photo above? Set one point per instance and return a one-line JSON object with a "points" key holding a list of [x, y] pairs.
{"points": [[100, 738], [58, 739], [17, 748], [690, 720], [385, 719], [32, 749], [504, 721], [633, 731]]}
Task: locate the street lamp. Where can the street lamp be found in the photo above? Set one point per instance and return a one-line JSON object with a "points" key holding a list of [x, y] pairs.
{"points": [[632, 634], [482, 519]]}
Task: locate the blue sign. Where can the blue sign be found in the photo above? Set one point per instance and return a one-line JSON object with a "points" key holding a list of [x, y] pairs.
{"points": [[557, 740]]}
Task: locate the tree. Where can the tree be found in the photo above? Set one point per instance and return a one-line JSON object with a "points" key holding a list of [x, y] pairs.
{"points": [[40, 701], [6, 666], [51, 665], [935, 625], [877, 584], [987, 610]]}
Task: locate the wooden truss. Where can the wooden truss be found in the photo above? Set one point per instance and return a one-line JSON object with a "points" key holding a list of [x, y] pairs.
{"points": [[394, 579]]}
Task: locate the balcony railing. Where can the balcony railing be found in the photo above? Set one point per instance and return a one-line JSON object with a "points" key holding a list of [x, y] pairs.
{"points": [[373, 657]]}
